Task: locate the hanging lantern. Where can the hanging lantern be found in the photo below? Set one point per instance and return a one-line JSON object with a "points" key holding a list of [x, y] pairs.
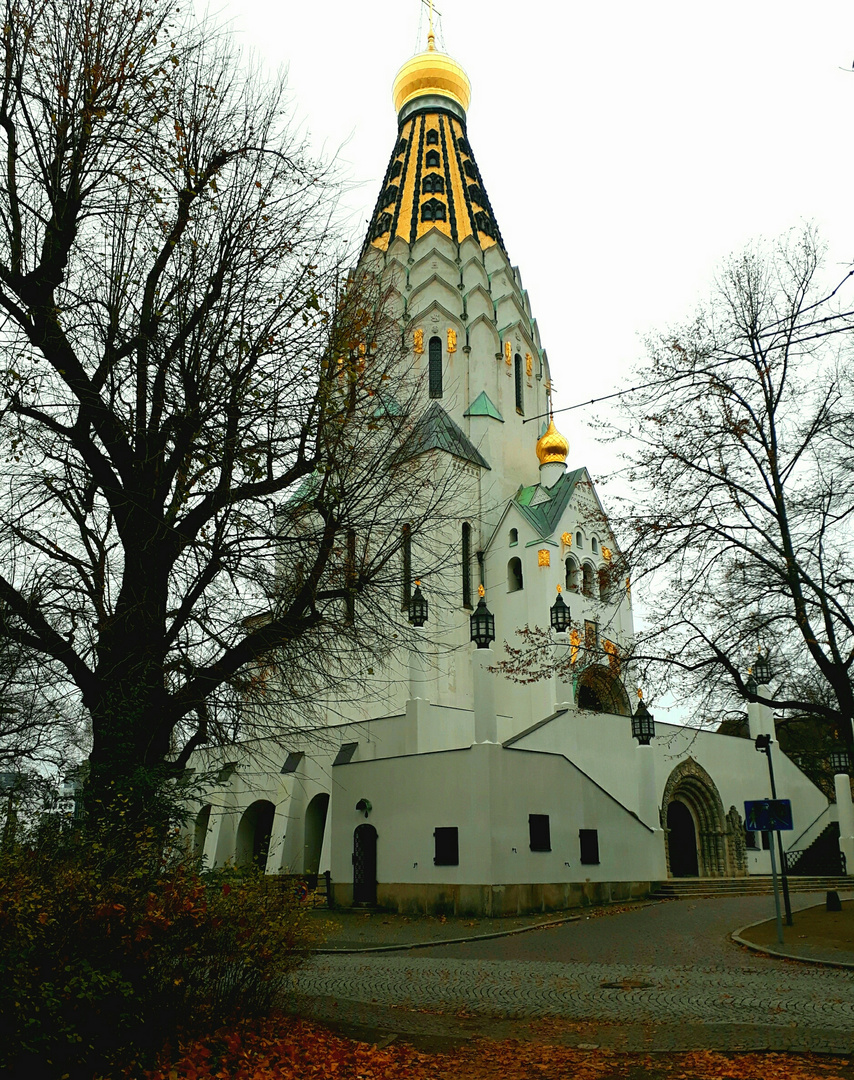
{"points": [[762, 668], [418, 607], [643, 724], [560, 614], [482, 622], [840, 761]]}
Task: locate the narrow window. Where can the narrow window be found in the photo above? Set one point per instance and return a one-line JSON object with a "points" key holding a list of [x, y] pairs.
{"points": [[594, 545], [571, 575], [589, 842], [587, 579], [432, 138], [396, 169], [591, 635], [520, 384], [433, 182], [406, 549], [432, 159], [766, 841], [401, 146], [447, 846], [579, 541], [750, 840], [604, 585], [476, 195], [463, 144], [466, 557], [514, 537], [389, 195], [538, 831], [469, 170], [514, 575], [435, 367]]}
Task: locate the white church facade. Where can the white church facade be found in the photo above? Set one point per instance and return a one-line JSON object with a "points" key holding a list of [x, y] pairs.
{"points": [[469, 792]]}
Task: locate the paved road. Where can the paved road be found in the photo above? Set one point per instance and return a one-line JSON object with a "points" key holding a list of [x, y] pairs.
{"points": [[658, 975]]}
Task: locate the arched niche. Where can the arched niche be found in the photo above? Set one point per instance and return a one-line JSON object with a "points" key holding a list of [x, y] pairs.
{"points": [[315, 826], [253, 834], [200, 830]]}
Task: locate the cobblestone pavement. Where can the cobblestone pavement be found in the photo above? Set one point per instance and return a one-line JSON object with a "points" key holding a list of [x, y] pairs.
{"points": [[668, 968]]}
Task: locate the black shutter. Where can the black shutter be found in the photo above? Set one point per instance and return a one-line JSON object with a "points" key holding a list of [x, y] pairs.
{"points": [[447, 846], [538, 829], [589, 839]]}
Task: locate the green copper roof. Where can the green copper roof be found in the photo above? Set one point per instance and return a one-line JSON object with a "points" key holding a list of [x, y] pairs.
{"points": [[545, 513], [482, 406], [435, 430]]}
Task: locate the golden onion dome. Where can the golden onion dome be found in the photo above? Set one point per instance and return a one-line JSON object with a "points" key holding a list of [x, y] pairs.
{"points": [[431, 72], [552, 446]]}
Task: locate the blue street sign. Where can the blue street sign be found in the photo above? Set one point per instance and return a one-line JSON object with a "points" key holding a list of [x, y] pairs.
{"points": [[768, 815]]}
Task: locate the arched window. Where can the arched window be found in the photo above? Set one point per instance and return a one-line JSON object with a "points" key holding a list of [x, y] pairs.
{"points": [[435, 367], [469, 170], [433, 182], [519, 373], [594, 545], [604, 584], [382, 225], [432, 137], [484, 223], [463, 144], [514, 537], [432, 159], [389, 195], [476, 195], [587, 579], [406, 553], [466, 560], [571, 575], [514, 575], [579, 541], [433, 210]]}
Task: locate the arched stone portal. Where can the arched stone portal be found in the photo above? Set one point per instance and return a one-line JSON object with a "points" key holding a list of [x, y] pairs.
{"points": [[599, 690], [253, 834], [702, 840]]}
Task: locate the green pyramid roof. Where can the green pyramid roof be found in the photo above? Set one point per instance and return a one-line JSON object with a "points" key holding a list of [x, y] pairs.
{"points": [[435, 430], [482, 406]]}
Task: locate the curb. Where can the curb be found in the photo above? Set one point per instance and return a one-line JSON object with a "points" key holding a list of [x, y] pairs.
{"points": [[463, 940], [777, 955], [446, 941]]}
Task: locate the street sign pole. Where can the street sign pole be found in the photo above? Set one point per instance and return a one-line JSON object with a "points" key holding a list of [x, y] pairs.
{"points": [[776, 893]]}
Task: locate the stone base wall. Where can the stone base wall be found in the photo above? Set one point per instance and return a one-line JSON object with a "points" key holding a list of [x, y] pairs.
{"points": [[496, 900]]}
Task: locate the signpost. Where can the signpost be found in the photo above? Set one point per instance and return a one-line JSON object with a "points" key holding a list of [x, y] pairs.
{"points": [[770, 815]]}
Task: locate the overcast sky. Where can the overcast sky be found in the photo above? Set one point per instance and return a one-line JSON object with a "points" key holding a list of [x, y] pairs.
{"points": [[626, 147]]}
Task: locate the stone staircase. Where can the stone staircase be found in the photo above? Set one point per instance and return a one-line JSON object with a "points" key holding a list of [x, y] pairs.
{"points": [[754, 885]]}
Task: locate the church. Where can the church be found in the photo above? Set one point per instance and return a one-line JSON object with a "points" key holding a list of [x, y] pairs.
{"points": [[472, 793]]}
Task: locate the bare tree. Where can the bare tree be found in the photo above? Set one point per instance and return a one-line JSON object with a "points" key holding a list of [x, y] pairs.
{"points": [[200, 409], [739, 523]]}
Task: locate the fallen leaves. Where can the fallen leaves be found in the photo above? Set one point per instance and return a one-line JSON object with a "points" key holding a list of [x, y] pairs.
{"points": [[280, 1048]]}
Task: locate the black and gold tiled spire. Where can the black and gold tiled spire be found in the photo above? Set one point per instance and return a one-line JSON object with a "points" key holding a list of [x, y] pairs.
{"points": [[432, 180]]}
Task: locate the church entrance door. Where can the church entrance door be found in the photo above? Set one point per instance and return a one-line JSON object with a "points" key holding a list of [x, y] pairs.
{"points": [[365, 865], [682, 839]]}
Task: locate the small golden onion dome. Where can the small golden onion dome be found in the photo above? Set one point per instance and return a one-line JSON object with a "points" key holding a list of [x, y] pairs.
{"points": [[552, 446], [431, 72]]}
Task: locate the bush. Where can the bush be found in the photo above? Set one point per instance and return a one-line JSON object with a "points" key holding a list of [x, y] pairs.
{"points": [[105, 953]]}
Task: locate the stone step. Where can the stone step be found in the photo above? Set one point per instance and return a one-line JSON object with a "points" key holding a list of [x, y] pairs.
{"points": [[755, 885]]}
